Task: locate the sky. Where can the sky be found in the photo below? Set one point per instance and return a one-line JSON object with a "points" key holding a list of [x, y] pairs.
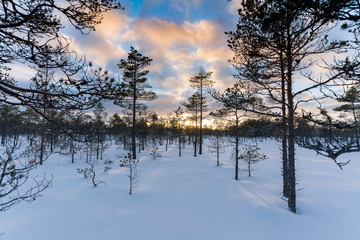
{"points": [[179, 35]]}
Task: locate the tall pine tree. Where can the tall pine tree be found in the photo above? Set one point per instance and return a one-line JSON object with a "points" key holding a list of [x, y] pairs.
{"points": [[201, 81], [194, 105], [274, 43], [135, 87]]}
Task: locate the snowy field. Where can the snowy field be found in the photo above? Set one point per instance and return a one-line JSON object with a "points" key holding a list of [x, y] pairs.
{"points": [[187, 198]]}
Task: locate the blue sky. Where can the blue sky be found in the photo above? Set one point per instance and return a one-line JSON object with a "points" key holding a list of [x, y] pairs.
{"points": [[178, 11]]}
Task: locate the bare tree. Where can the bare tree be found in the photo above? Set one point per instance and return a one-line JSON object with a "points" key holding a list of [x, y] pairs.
{"points": [[14, 175], [90, 172], [328, 149]]}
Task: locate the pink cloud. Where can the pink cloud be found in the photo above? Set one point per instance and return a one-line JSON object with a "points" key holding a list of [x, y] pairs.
{"points": [[177, 50], [167, 34]]}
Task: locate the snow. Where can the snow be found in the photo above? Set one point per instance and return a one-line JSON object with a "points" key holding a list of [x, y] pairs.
{"points": [[190, 198]]}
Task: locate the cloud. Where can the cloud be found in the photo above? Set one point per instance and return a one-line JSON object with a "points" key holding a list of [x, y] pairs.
{"points": [[21, 73], [178, 49], [160, 33], [164, 104], [113, 25], [233, 7], [186, 6]]}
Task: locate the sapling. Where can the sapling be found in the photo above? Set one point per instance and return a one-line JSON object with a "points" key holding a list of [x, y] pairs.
{"points": [[250, 155], [217, 146], [154, 153], [134, 173]]}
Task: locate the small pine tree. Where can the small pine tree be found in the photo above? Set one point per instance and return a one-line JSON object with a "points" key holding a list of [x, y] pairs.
{"points": [[250, 155], [154, 153], [134, 173], [217, 146], [178, 119]]}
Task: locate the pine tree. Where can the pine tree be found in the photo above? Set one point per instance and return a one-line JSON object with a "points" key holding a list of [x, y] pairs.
{"points": [[134, 173], [217, 144], [99, 128], [193, 106], [250, 155], [274, 42], [42, 80], [351, 99], [178, 121], [234, 100], [201, 81], [135, 86]]}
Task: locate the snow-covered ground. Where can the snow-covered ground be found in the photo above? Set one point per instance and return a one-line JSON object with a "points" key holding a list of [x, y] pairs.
{"points": [[187, 198]]}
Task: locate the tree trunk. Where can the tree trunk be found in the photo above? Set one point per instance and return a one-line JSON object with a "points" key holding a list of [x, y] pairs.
{"points": [[196, 136], [101, 151], [72, 152], [217, 151], [237, 158], [291, 138], [98, 148], [237, 146], [42, 138], [284, 130], [91, 151], [130, 177], [201, 117], [291, 169], [51, 143], [356, 124], [87, 154], [179, 143], [134, 129], [285, 165]]}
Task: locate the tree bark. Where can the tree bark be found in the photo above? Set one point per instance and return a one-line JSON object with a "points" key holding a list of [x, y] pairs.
{"points": [[291, 135], [217, 150], [133, 132], [284, 129], [237, 147], [201, 115]]}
